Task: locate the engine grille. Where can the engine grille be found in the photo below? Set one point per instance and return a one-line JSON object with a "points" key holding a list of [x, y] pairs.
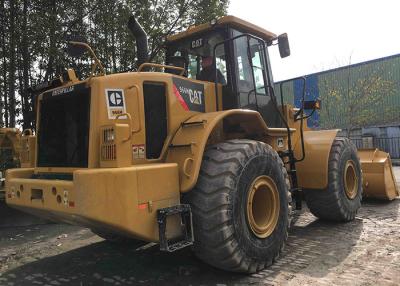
{"points": [[63, 133], [108, 147]]}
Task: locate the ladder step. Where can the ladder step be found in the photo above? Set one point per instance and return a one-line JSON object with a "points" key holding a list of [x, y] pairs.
{"points": [[187, 237]]}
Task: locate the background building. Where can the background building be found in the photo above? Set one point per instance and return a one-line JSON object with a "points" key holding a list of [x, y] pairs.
{"points": [[362, 99]]}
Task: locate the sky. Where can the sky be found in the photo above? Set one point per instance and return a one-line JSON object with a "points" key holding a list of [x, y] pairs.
{"points": [[325, 34]]}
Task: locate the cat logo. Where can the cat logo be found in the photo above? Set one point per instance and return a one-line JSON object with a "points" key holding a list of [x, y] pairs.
{"points": [[115, 100], [197, 43], [193, 94], [195, 97], [63, 90], [189, 94]]}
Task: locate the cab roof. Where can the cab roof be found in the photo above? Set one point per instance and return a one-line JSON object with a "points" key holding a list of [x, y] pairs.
{"points": [[226, 20]]}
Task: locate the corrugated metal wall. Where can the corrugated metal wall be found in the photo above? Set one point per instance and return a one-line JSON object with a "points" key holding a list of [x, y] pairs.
{"points": [[363, 94], [287, 89]]}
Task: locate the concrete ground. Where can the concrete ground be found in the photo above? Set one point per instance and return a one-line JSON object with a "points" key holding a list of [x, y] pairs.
{"points": [[363, 252]]}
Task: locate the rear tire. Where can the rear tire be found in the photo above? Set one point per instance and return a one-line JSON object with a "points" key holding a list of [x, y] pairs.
{"points": [[342, 199], [234, 228]]}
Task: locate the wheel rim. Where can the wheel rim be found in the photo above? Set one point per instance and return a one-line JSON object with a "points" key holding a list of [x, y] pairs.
{"points": [[350, 180], [263, 206]]}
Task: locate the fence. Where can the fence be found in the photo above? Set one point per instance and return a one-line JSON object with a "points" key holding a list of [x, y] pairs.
{"points": [[389, 145]]}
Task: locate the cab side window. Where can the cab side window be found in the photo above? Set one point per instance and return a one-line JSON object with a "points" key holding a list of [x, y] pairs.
{"points": [[243, 66], [258, 65], [250, 68], [193, 66]]}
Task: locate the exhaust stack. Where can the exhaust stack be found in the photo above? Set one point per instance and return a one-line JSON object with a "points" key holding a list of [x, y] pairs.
{"points": [[141, 40]]}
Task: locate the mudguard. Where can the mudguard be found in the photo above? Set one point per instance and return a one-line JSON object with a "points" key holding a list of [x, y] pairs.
{"points": [[312, 172], [188, 145]]}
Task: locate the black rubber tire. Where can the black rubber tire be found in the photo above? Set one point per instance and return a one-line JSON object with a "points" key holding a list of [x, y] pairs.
{"points": [[222, 234], [332, 203]]}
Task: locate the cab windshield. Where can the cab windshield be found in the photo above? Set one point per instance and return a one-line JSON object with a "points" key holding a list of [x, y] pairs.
{"points": [[197, 55]]}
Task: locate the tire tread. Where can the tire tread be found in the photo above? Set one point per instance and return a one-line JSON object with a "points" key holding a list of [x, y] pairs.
{"points": [[328, 204], [216, 243]]}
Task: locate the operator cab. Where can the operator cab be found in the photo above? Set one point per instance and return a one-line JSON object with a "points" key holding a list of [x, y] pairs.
{"points": [[240, 60]]}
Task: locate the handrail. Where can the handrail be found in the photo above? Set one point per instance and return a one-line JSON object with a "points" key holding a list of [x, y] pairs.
{"points": [[138, 117], [142, 66]]}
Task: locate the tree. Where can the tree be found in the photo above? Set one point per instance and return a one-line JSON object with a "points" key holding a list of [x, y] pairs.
{"points": [[27, 116], [11, 67], [355, 98], [33, 38], [3, 66]]}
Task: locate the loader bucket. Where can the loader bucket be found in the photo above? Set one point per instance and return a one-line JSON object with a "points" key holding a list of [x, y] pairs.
{"points": [[378, 177]]}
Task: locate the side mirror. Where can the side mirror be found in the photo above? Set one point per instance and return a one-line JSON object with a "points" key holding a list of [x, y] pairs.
{"points": [[74, 50], [283, 44], [312, 104]]}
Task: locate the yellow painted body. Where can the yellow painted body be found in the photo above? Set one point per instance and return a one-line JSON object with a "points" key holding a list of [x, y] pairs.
{"points": [[378, 177], [10, 141], [121, 200], [122, 193]]}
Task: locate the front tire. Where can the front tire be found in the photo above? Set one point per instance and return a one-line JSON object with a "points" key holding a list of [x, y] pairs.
{"points": [[241, 206], [342, 199]]}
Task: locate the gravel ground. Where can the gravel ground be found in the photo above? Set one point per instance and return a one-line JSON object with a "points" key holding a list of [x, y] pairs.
{"points": [[363, 252]]}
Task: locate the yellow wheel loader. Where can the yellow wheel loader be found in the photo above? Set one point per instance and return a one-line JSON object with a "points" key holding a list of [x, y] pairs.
{"points": [[190, 153], [14, 151], [9, 152]]}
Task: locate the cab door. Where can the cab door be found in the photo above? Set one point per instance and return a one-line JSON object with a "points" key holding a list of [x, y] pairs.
{"points": [[253, 80]]}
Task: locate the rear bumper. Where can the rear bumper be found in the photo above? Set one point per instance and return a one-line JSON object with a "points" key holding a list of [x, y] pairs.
{"points": [[122, 200]]}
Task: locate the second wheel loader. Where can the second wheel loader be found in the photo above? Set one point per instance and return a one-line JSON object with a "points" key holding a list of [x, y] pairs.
{"points": [[14, 151], [165, 157]]}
